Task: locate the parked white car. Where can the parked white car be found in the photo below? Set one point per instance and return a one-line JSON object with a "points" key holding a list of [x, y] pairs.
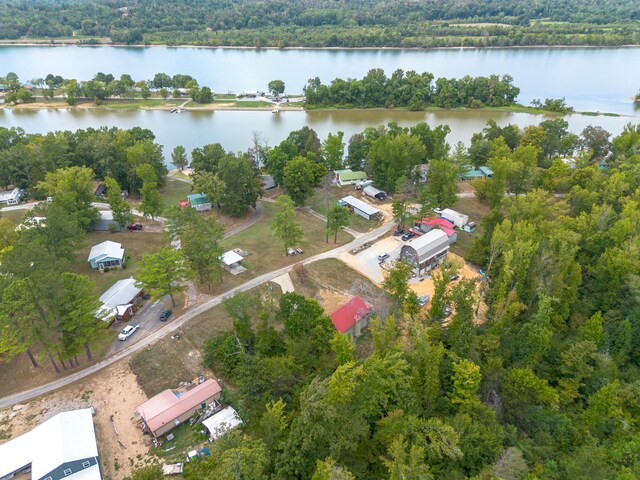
{"points": [[423, 300], [128, 331]]}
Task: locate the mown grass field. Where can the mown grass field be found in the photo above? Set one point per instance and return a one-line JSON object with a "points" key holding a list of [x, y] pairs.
{"points": [[324, 198], [135, 245]]}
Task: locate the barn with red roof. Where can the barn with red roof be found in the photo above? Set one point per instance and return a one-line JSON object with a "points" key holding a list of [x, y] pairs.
{"points": [[352, 317]]}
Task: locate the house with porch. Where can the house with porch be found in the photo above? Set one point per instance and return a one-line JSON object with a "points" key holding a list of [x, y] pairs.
{"points": [[118, 301], [199, 201], [349, 177], [107, 254]]}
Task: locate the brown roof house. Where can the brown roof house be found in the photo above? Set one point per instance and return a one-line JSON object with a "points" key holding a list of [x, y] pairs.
{"points": [[167, 410]]}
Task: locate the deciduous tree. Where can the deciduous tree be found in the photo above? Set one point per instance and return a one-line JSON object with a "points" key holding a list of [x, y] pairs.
{"points": [[163, 273], [285, 224]]}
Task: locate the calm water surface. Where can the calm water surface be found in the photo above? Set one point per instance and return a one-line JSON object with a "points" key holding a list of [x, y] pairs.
{"points": [[591, 79]]}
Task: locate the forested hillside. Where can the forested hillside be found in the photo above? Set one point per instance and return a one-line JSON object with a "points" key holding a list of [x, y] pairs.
{"points": [[323, 23], [535, 375]]}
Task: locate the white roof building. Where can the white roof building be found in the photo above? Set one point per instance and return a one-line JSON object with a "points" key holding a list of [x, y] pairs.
{"points": [[229, 258], [222, 422], [359, 207], [118, 298], [426, 251], [457, 218], [11, 197], [62, 447], [106, 249]]}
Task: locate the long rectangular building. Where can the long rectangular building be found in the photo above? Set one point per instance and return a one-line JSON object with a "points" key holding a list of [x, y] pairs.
{"points": [[359, 207]]}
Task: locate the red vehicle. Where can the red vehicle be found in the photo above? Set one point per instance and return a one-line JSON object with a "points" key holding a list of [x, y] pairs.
{"points": [[134, 226]]}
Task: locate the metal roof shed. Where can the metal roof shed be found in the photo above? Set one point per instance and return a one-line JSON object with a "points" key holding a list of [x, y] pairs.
{"points": [[372, 191], [359, 207], [222, 422], [166, 410]]}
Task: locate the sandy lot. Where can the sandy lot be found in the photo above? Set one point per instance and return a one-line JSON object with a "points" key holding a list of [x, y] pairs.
{"points": [[366, 263], [114, 393], [331, 300]]}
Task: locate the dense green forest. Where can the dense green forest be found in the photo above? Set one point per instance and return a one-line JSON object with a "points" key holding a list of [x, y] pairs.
{"points": [[412, 90], [324, 23], [543, 383]]}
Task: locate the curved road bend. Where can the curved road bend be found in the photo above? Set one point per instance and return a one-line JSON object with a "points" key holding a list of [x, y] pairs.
{"points": [[180, 321]]}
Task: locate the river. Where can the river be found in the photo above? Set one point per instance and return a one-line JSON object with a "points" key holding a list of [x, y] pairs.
{"points": [[591, 79]]}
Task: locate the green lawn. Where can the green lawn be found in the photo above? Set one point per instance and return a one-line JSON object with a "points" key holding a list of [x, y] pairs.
{"points": [[267, 253], [135, 245], [186, 438], [179, 174], [476, 211], [324, 198], [175, 191]]}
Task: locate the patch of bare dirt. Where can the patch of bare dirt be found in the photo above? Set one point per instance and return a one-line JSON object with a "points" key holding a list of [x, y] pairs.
{"points": [[114, 393], [331, 300]]}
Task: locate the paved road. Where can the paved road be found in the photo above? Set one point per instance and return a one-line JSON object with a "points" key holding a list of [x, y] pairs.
{"points": [[182, 320]]}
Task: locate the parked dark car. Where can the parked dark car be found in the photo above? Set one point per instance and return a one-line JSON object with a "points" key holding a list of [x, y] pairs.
{"points": [[165, 314], [134, 226], [398, 232], [408, 236], [454, 277]]}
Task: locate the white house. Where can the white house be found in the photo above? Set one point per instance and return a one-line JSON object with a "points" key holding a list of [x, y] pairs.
{"points": [[11, 197], [62, 447], [118, 301], [107, 254]]}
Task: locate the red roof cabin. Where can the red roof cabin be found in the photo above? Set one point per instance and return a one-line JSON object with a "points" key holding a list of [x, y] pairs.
{"points": [[352, 317]]}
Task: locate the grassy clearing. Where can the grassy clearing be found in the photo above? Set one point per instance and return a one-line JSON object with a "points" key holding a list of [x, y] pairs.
{"points": [[185, 354], [266, 252], [324, 198], [135, 245], [15, 216], [139, 104], [186, 438], [326, 274], [175, 191], [476, 211], [179, 174]]}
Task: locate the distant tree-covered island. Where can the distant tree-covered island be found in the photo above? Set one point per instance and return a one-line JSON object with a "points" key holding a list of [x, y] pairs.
{"points": [[321, 23], [402, 90]]}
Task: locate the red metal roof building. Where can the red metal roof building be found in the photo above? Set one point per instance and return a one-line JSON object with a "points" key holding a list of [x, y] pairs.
{"points": [[352, 317], [167, 410]]}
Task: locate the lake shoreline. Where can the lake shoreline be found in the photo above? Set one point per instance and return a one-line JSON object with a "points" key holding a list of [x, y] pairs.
{"points": [[283, 108], [46, 43]]}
